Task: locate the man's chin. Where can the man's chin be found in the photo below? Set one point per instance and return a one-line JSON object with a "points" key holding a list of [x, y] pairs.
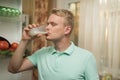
{"points": [[48, 39]]}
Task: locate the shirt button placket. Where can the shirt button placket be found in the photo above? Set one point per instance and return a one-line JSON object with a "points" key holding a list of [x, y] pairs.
{"points": [[57, 61]]}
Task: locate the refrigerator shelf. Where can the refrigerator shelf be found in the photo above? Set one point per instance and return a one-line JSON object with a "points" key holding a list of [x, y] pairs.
{"points": [[10, 19]]}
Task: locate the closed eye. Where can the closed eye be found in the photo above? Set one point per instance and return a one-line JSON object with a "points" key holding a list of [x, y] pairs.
{"points": [[52, 24]]}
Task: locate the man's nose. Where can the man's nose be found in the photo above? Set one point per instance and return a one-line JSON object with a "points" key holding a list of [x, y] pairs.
{"points": [[48, 26]]}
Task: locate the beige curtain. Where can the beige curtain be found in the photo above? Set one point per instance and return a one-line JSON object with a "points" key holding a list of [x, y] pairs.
{"points": [[99, 31]]}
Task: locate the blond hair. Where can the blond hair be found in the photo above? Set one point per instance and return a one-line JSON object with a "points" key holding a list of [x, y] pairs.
{"points": [[66, 14]]}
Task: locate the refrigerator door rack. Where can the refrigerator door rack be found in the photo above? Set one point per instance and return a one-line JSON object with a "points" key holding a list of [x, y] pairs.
{"points": [[9, 12]]}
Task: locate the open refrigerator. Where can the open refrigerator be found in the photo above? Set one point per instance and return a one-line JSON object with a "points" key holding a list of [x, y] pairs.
{"points": [[11, 29], [11, 26]]}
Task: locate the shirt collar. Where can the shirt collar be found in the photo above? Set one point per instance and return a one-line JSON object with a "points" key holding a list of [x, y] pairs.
{"points": [[53, 50], [68, 51]]}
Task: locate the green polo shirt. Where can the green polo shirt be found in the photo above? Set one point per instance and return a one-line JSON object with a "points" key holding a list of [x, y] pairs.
{"points": [[73, 64]]}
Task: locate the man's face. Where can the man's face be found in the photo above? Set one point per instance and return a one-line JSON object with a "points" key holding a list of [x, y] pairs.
{"points": [[55, 28]]}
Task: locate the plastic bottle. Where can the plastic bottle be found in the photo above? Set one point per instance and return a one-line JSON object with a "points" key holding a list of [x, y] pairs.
{"points": [[13, 12], [3, 11], [17, 12], [0, 10], [9, 12]]}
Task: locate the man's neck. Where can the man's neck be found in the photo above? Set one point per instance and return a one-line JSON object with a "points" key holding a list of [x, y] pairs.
{"points": [[62, 45]]}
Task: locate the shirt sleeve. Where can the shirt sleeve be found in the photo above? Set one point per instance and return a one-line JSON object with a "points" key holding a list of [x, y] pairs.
{"points": [[91, 72], [34, 58]]}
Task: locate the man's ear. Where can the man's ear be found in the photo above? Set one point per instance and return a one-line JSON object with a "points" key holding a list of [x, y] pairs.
{"points": [[68, 29]]}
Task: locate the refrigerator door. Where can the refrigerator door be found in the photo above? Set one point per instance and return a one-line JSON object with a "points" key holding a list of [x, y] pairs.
{"points": [[11, 26], [11, 29]]}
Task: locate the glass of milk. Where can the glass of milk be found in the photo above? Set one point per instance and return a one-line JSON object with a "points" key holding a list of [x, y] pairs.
{"points": [[38, 30]]}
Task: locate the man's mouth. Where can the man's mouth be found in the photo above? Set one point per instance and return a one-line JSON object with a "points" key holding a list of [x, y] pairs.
{"points": [[46, 34]]}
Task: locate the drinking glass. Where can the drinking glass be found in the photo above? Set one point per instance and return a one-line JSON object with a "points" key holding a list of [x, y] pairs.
{"points": [[38, 30]]}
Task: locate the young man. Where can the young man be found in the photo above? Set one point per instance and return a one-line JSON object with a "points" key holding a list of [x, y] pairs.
{"points": [[64, 60]]}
